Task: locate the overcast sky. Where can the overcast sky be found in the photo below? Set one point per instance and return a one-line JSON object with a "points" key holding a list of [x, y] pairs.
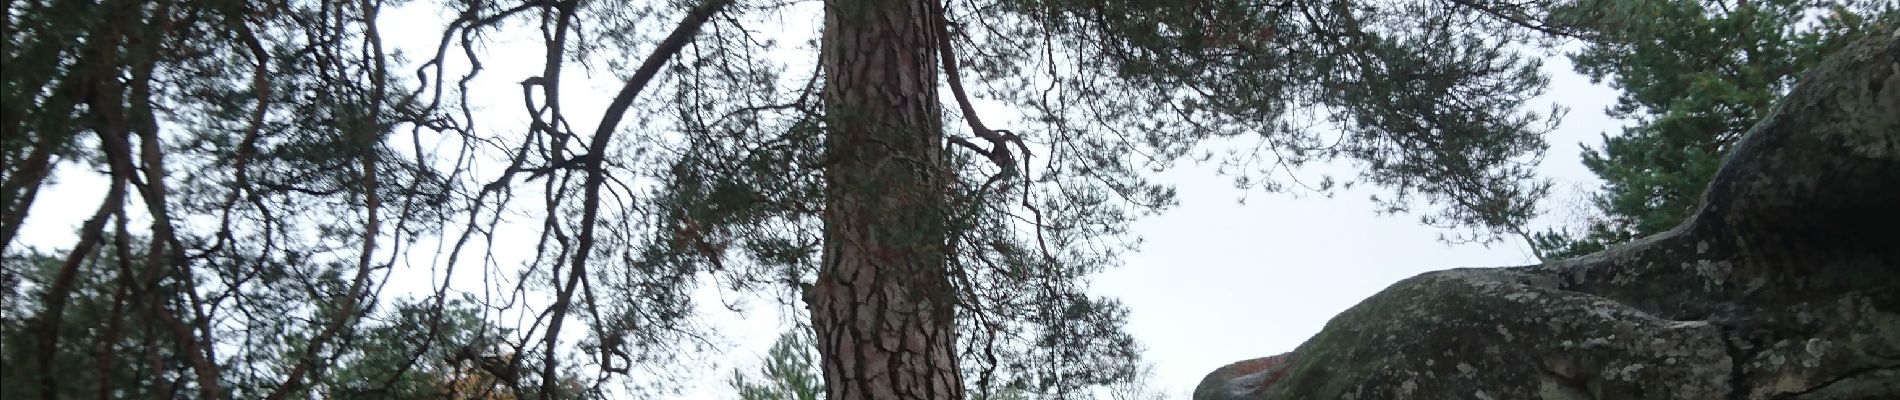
{"points": [[1215, 281]]}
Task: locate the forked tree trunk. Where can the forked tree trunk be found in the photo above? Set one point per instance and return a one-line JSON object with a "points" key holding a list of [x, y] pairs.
{"points": [[883, 305]]}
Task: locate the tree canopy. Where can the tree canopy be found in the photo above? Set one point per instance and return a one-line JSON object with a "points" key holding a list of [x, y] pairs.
{"points": [[1694, 76], [289, 195]]}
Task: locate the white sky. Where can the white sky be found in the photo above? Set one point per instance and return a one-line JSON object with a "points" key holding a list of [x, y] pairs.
{"points": [[1218, 282], [1215, 281]]}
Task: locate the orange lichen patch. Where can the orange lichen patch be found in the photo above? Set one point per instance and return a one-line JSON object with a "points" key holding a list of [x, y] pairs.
{"points": [[1257, 365], [1245, 379], [1256, 375]]}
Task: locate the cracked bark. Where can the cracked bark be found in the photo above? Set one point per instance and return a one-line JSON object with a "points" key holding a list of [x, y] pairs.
{"points": [[882, 306]]}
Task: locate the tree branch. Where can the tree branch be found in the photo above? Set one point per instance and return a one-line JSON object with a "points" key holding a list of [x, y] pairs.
{"points": [[590, 210], [946, 54]]}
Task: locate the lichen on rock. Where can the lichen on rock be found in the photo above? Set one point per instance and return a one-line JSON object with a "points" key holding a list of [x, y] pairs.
{"points": [[1243, 380]]}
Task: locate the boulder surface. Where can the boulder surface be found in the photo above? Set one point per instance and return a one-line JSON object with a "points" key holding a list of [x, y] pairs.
{"points": [[1784, 285]]}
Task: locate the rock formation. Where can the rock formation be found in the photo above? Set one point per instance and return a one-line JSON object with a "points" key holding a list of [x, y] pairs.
{"points": [[1784, 285]]}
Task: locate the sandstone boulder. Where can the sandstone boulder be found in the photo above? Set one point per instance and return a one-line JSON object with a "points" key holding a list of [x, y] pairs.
{"points": [[1785, 285]]}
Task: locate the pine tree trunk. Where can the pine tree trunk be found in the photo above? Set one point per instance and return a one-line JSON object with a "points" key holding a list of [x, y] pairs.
{"points": [[883, 305]]}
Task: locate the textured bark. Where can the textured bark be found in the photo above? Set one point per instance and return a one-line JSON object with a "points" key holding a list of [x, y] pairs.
{"points": [[882, 306], [1784, 285]]}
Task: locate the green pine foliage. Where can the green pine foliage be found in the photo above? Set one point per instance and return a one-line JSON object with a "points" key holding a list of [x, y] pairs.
{"points": [[790, 372], [1694, 76], [274, 168]]}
